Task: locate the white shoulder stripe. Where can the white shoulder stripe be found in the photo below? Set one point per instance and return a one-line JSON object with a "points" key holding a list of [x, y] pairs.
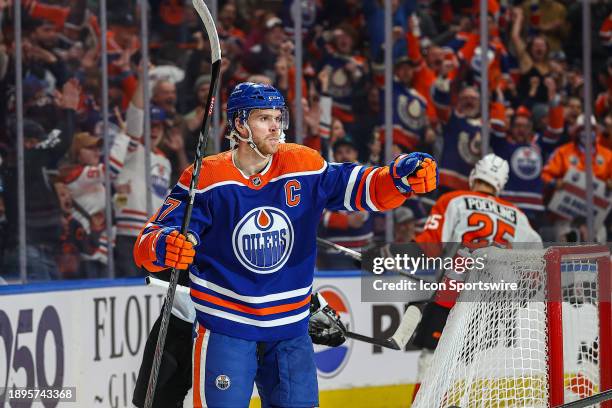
{"points": [[300, 173], [245, 320], [249, 299], [203, 190], [349, 188]]}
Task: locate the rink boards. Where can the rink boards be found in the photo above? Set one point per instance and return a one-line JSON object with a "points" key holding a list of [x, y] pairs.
{"points": [[90, 336]]}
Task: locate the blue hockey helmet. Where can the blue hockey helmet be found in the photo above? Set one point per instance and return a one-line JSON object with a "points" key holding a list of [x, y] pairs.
{"points": [[247, 96]]}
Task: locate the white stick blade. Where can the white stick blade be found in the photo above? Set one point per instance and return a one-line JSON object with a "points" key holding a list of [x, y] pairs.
{"points": [[407, 326]]}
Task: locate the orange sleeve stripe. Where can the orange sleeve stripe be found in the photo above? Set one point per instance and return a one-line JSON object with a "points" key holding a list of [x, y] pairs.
{"points": [[56, 14], [498, 112], [360, 188], [115, 161], [555, 118], [337, 220], [197, 378], [414, 50], [555, 168], [144, 250], [265, 311], [72, 174], [383, 192]]}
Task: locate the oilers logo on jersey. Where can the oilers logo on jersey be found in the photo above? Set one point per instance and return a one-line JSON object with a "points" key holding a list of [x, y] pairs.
{"points": [[410, 112], [526, 162], [469, 147], [263, 240]]}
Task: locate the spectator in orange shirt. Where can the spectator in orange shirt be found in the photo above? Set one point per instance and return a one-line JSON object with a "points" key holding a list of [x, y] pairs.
{"points": [[572, 155], [227, 22]]}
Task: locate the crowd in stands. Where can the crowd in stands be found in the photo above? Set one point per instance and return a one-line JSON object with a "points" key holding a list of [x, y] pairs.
{"points": [[535, 82]]}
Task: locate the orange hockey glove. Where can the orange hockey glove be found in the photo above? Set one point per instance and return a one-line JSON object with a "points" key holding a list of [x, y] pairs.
{"points": [[425, 179], [415, 172], [173, 250]]}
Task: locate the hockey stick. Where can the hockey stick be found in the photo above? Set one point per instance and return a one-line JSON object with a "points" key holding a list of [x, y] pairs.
{"points": [[346, 251], [409, 321], [358, 257], [213, 37], [402, 335]]}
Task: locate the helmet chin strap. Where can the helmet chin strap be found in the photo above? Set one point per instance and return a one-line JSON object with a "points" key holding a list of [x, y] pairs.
{"points": [[250, 142]]}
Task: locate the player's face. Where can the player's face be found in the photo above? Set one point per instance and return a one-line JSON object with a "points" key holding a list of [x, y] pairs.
{"points": [[265, 125]]}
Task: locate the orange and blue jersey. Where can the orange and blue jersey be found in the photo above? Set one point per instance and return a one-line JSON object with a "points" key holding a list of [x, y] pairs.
{"points": [[409, 117], [255, 257], [342, 84], [461, 150], [525, 188], [467, 48]]}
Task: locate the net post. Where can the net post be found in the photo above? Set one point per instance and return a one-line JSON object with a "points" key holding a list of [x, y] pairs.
{"points": [[554, 335]]}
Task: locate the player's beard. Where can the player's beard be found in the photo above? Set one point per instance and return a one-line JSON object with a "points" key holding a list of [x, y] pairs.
{"points": [[268, 145]]}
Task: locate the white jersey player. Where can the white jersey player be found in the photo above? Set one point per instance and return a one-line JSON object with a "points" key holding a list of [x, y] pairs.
{"points": [[479, 218], [475, 218]]}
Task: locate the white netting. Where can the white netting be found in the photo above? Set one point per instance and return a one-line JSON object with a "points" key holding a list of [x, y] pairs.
{"points": [[493, 351]]}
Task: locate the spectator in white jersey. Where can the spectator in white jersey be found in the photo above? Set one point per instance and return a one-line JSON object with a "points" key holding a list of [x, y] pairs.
{"points": [[129, 164], [83, 175]]}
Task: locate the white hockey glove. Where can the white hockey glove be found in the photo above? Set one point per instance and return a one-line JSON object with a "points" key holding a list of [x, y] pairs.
{"points": [[325, 326]]}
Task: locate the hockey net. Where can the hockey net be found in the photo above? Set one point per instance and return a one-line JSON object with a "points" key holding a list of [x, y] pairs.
{"points": [[546, 343]]}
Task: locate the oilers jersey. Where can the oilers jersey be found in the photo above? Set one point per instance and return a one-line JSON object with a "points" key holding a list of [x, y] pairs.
{"points": [[342, 84], [462, 139], [409, 117], [524, 187], [526, 160], [256, 236], [460, 151]]}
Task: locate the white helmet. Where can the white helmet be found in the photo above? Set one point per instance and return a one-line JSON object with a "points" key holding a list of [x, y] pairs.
{"points": [[491, 169]]}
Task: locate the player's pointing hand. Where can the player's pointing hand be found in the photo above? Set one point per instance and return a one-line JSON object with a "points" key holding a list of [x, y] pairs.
{"points": [[414, 172], [173, 250]]}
